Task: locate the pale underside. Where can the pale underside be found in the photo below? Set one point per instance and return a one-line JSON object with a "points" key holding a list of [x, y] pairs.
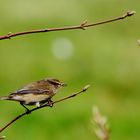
{"points": [[31, 99]]}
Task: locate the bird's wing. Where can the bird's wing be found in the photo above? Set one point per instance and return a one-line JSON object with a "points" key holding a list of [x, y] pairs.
{"points": [[33, 91]]}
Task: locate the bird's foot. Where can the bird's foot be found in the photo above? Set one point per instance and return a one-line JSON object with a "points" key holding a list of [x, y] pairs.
{"points": [[50, 103]]}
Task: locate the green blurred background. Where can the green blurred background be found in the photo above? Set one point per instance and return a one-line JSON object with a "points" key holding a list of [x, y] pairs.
{"points": [[107, 57]]}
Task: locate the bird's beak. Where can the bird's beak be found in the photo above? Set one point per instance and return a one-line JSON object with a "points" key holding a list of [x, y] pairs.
{"points": [[64, 85]]}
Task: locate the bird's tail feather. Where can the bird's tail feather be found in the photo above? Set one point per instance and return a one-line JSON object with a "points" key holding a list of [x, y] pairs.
{"points": [[4, 98]]}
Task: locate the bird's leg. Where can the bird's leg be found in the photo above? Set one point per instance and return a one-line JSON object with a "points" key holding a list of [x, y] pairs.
{"points": [[50, 103], [27, 110]]}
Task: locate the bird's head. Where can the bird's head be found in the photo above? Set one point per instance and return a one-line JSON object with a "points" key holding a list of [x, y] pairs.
{"points": [[55, 82]]}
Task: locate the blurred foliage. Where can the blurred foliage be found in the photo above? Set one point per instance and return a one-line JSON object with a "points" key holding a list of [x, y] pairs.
{"points": [[107, 57]]}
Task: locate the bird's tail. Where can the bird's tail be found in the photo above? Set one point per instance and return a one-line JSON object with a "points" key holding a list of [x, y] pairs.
{"points": [[4, 98]]}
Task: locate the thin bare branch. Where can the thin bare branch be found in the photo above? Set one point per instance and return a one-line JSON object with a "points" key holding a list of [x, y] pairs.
{"points": [[45, 105], [82, 26]]}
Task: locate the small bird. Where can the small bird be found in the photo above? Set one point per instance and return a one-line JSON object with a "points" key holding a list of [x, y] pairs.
{"points": [[36, 93]]}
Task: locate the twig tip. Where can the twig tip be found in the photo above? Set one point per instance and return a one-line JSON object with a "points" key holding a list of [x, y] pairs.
{"points": [[128, 14], [86, 87], [131, 13]]}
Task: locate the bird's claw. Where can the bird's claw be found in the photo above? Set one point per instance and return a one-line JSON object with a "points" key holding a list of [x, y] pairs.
{"points": [[50, 103]]}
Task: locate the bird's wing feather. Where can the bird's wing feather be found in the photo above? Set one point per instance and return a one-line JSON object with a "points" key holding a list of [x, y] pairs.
{"points": [[33, 91]]}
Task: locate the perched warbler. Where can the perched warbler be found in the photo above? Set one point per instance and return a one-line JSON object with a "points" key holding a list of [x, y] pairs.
{"points": [[36, 93]]}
